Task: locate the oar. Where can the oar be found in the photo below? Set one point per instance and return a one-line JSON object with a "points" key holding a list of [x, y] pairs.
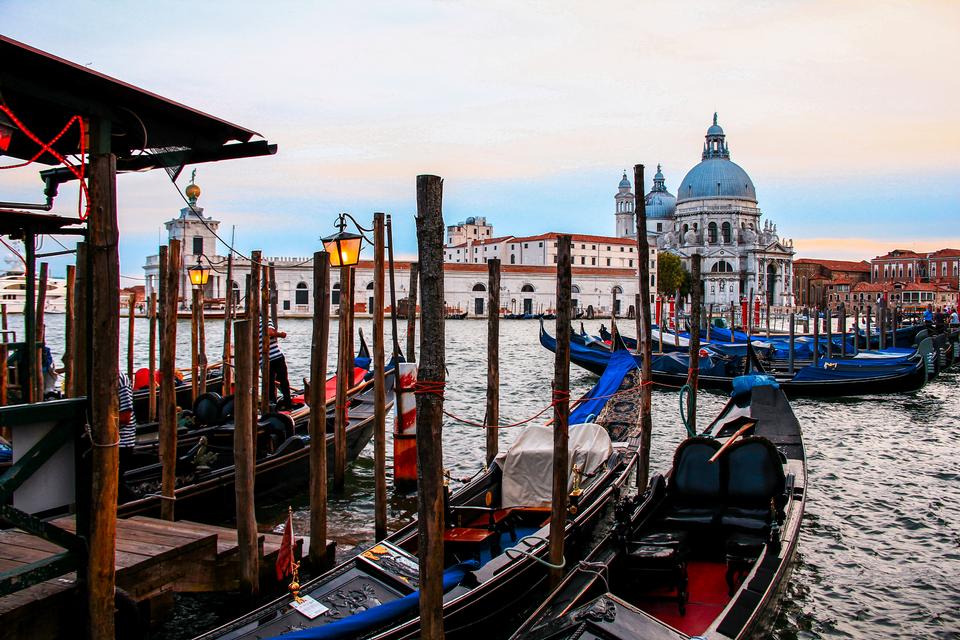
{"points": [[729, 442]]}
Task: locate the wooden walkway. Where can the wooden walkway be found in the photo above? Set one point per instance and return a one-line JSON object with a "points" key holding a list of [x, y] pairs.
{"points": [[154, 558]]}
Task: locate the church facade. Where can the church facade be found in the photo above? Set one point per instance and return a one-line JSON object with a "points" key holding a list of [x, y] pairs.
{"points": [[716, 214]]}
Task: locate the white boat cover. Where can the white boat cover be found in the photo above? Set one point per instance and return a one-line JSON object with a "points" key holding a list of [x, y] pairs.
{"points": [[528, 464]]}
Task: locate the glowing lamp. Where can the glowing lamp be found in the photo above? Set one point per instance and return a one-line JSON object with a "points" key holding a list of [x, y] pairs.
{"points": [[6, 132], [199, 275]]}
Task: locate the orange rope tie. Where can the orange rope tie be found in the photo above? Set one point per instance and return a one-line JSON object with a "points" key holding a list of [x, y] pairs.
{"points": [[429, 387]]}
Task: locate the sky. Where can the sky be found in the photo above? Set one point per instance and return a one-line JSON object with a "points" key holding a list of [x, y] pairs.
{"points": [[845, 114]]}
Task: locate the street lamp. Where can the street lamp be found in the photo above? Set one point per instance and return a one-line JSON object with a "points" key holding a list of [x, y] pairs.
{"points": [[199, 274], [344, 247]]}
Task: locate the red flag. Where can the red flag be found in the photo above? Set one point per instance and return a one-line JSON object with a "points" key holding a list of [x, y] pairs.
{"points": [[285, 555]]}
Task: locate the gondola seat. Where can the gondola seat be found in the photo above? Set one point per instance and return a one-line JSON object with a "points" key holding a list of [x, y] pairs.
{"points": [[695, 486], [742, 550], [660, 557], [754, 488]]}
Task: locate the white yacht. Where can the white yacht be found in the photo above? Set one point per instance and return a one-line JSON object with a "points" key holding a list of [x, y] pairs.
{"points": [[13, 292]]}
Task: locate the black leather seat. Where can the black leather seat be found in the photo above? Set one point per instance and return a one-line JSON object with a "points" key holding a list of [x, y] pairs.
{"points": [[660, 557], [695, 488], [754, 485]]}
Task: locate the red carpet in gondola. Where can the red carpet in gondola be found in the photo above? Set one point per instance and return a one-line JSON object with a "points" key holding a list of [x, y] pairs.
{"points": [[708, 596]]}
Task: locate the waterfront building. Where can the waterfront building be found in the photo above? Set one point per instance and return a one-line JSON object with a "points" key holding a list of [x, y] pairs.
{"points": [[822, 282], [903, 265], [717, 215]]}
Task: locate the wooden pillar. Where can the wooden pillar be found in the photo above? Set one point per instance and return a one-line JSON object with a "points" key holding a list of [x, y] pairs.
{"points": [[379, 382], [561, 408], [843, 330], [79, 365], [152, 359], [767, 314], [244, 455], [828, 325], [412, 313], [68, 337], [131, 323], [169, 290], [646, 351], [265, 382], [816, 336], [430, 494], [709, 320], [882, 324], [4, 431], [194, 344], [318, 410], [201, 345], [29, 356], [866, 321], [41, 329], [104, 404], [693, 375], [493, 359], [274, 297], [733, 322], [253, 314], [393, 302], [228, 314], [856, 329], [792, 353], [344, 375]]}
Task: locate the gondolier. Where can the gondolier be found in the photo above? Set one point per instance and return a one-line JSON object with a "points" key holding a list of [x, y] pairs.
{"points": [[278, 365], [128, 422]]}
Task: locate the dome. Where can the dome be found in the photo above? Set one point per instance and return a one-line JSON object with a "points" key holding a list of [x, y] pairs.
{"points": [[624, 182], [660, 203], [192, 191], [471, 220], [717, 178], [715, 130]]}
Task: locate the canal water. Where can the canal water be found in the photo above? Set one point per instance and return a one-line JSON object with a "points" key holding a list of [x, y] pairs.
{"points": [[879, 553]]}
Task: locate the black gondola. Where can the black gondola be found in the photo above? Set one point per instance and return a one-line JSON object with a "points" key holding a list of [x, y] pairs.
{"points": [[706, 551]]}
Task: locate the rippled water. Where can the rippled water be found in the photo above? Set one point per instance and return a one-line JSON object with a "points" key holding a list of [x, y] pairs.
{"points": [[879, 554]]}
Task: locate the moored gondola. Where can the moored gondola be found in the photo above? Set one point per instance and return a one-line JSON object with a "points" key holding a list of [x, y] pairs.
{"points": [[706, 551]]}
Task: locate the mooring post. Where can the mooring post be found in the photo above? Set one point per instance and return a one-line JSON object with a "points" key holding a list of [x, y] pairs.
{"points": [[646, 348], [131, 324], [709, 319], [561, 409], [412, 313], [253, 314], [274, 296], [344, 380], [816, 337], [733, 322], [866, 321], [767, 314], [152, 359], [318, 410], [228, 313], [201, 344], [194, 345], [882, 324], [82, 290], [894, 322], [493, 359], [169, 288], [244, 456], [68, 337], [41, 331], [104, 405], [856, 329], [266, 390], [842, 311], [828, 326], [793, 332], [379, 382], [693, 375], [430, 495]]}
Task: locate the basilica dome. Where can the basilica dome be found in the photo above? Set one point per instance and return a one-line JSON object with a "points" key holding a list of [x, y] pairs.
{"points": [[716, 176], [659, 203]]}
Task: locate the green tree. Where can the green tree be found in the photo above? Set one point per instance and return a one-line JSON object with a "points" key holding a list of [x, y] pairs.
{"points": [[671, 275]]}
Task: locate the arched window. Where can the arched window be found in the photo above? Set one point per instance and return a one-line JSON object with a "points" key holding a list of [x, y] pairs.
{"points": [[712, 233], [721, 267], [574, 289], [479, 287], [302, 295], [513, 258], [727, 232], [617, 290], [236, 292], [335, 294], [527, 288], [686, 228]]}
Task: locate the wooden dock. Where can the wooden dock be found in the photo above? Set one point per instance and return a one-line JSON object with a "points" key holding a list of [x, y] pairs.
{"points": [[154, 559]]}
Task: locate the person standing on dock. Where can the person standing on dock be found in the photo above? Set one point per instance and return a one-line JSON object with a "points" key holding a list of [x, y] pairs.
{"points": [[278, 366], [128, 423]]}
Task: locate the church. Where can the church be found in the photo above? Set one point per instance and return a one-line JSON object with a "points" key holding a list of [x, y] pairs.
{"points": [[716, 214]]}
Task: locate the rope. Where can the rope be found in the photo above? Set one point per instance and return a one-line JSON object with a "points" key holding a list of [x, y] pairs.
{"points": [[94, 442], [524, 552], [429, 387]]}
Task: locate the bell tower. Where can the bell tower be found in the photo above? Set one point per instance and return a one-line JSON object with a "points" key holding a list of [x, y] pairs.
{"points": [[625, 203]]}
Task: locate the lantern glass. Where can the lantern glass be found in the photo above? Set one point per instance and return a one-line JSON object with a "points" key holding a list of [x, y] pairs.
{"points": [[199, 276], [344, 249]]}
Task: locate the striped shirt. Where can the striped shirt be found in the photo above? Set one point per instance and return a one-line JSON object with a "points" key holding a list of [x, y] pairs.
{"points": [[275, 352], [128, 430]]}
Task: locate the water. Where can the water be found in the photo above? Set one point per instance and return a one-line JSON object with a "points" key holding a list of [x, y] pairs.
{"points": [[879, 553]]}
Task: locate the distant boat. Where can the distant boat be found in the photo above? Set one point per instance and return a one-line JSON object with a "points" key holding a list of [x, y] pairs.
{"points": [[13, 293]]}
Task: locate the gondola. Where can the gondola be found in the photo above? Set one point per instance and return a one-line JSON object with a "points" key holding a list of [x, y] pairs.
{"points": [[822, 379], [206, 475], [460, 315], [706, 551], [495, 540]]}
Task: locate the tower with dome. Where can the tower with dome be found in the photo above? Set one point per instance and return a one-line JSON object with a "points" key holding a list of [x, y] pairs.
{"points": [[717, 216]]}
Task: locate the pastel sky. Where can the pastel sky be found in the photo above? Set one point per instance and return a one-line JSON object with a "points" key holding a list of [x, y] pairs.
{"points": [[845, 114]]}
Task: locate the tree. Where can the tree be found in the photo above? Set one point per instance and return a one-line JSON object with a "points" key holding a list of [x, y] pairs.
{"points": [[671, 275]]}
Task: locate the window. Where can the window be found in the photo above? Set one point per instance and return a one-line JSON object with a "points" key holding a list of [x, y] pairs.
{"points": [[513, 259], [479, 287], [554, 245], [593, 261], [659, 226], [302, 295], [583, 246], [583, 260], [608, 262], [721, 266], [526, 245], [593, 247], [622, 249], [712, 233], [554, 259], [609, 249], [540, 244], [335, 294], [630, 263], [197, 245], [527, 288], [726, 231]]}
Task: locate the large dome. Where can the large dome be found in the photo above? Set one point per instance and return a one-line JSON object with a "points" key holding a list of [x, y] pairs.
{"points": [[717, 178]]}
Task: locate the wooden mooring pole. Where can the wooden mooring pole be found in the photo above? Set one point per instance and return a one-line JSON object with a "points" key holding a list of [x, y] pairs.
{"points": [[793, 332], [344, 375], [856, 329], [253, 314], [816, 336], [561, 409], [194, 345], [431, 378], [318, 410], [169, 292], [379, 382], [693, 374], [79, 362], [41, 330], [646, 350], [493, 359], [131, 325], [104, 404], [266, 384], [228, 315], [152, 359], [843, 329], [244, 455], [828, 325], [412, 314], [201, 344], [68, 337]]}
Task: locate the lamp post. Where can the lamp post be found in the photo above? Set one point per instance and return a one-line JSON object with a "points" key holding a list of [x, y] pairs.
{"points": [[199, 275]]}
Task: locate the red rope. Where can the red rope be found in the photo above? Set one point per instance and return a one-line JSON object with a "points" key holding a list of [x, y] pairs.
{"points": [[47, 147], [429, 387]]}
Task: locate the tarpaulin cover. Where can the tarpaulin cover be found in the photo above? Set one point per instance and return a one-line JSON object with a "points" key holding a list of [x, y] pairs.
{"points": [[820, 374], [620, 363], [528, 464], [364, 621], [745, 384]]}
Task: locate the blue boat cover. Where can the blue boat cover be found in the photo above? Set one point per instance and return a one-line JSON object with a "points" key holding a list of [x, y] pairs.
{"points": [[820, 374], [743, 385], [359, 623], [6, 453], [620, 363]]}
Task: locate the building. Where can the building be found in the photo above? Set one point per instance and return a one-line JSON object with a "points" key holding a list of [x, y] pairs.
{"points": [[903, 265], [604, 271], [717, 216], [816, 282], [910, 296]]}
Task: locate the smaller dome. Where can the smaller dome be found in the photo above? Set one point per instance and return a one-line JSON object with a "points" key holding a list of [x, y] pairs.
{"points": [[715, 129], [625, 182], [471, 220]]}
